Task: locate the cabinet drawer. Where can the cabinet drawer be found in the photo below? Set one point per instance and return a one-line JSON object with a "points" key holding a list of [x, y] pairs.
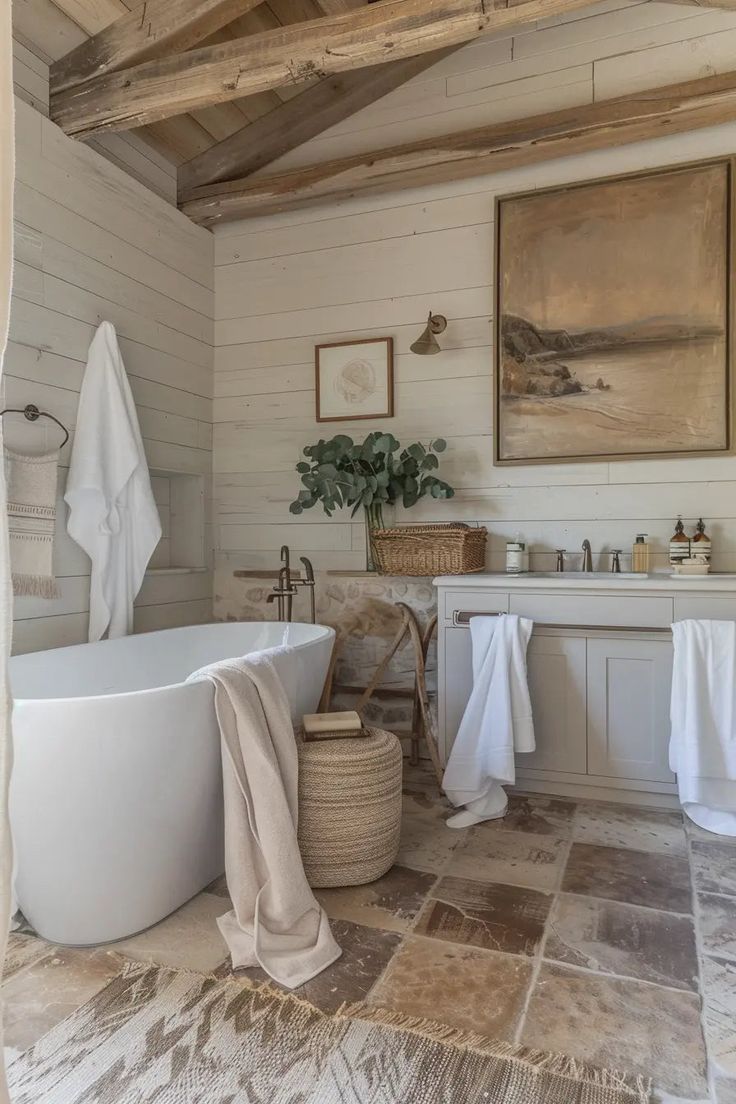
{"points": [[707, 607], [571, 609], [475, 601]]}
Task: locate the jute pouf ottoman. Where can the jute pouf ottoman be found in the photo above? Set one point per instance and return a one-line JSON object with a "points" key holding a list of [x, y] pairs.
{"points": [[349, 808]]}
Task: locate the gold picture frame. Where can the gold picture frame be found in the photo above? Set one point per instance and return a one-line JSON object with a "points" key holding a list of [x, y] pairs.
{"points": [[614, 317], [354, 379]]}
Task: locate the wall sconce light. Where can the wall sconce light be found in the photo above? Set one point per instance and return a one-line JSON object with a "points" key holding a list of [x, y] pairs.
{"points": [[427, 344]]}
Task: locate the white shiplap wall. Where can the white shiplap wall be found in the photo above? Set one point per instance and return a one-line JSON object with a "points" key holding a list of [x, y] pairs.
{"points": [[93, 244], [376, 266], [126, 150]]}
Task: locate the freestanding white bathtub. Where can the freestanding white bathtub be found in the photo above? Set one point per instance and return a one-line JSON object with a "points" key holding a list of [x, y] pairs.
{"points": [[116, 792]]}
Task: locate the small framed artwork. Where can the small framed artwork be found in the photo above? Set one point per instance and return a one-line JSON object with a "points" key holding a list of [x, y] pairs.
{"points": [[614, 306], [355, 379]]}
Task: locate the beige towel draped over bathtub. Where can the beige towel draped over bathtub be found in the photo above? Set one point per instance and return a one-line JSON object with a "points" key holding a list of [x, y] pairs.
{"points": [[275, 922], [31, 483]]}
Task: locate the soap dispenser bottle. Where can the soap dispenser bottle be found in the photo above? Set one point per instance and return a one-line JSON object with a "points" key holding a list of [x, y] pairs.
{"points": [[701, 543], [640, 554], [679, 544]]}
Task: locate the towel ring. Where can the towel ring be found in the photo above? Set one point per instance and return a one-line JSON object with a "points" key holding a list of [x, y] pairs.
{"points": [[32, 413]]}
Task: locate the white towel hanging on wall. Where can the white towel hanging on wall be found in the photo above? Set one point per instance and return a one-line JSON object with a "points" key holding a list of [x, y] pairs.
{"points": [[113, 516]]}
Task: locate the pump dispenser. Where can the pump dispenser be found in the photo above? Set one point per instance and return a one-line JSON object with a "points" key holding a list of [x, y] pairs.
{"points": [[640, 554]]}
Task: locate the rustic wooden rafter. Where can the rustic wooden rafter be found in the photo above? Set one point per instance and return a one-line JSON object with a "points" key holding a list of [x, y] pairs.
{"points": [[305, 116], [636, 117], [150, 30], [369, 35], [729, 5]]}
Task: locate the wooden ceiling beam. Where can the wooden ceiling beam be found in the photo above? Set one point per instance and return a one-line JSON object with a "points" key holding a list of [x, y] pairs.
{"points": [[608, 123], [305, 116], [152, 29], [728, 5], [369, 35]]}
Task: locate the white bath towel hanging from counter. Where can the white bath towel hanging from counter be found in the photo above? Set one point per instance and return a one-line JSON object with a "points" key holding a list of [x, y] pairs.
{"points": [[275, 922], [113, 515], [497, 721], [703, 718]]}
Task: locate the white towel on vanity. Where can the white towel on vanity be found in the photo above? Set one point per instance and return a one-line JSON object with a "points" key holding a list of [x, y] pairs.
{"points": [[498, 717], [113, 515], [703, 719], [275, 923]]}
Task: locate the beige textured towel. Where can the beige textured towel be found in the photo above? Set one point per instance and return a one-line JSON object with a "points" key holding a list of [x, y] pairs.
{"points": [[275, 923], [31, 483]]}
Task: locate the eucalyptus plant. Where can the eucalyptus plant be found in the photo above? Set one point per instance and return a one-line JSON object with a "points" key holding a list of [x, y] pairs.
{"points": [[369, 475]]}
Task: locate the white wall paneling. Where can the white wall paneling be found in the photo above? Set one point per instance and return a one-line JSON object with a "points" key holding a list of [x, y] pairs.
{"points": [[93, 244], [373, 266]]}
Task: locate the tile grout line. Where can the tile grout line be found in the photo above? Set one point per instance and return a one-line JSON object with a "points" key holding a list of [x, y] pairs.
{"points": [[538, 959]]}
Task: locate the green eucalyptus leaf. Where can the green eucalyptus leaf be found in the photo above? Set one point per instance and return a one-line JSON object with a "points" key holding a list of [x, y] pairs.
{"points": [[439, 444]]}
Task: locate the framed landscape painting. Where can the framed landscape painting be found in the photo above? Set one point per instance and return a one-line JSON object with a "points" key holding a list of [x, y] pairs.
{"points": [[613, 318]]}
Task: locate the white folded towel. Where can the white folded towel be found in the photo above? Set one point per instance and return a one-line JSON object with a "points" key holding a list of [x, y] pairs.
{"points": [[275, 923], [703, 720], [113, 515], [497, 721]]}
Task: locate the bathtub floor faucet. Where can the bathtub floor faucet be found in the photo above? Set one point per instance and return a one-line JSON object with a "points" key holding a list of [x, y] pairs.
{"points": [[283, 593]]}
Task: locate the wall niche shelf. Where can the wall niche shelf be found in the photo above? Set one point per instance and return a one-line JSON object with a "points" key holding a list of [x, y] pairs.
{"points": [[181, 505]]}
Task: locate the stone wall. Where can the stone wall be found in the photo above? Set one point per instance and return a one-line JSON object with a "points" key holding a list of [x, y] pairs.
{"points": [[361, 607]]}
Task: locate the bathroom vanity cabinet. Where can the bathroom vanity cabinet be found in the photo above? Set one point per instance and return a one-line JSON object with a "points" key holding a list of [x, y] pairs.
{"points": [[600, 673]]}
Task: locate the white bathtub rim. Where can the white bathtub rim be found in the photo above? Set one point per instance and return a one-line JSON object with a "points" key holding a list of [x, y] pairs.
{"points": [[122, 694]]}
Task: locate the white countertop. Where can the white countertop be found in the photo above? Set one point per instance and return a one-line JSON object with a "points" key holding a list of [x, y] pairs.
{"points": [[573, 580]]}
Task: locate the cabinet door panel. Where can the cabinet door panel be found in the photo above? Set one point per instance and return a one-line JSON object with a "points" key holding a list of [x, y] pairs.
{"points": [[556, 671], [628, 708], [456, 682]]}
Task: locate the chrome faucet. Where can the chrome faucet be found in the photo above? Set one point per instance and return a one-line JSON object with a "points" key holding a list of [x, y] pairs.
{"points": [[587, 556], [283, 593]]}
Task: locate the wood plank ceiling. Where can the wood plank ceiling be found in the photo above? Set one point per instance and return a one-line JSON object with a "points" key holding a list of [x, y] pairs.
{"points": [[174, 72]]}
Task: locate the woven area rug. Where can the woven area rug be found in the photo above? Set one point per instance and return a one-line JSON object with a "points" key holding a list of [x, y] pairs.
{"points": [[169, 1037]]}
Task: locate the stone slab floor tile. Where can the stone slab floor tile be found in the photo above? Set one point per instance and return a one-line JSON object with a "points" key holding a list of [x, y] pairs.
{"points": [[515, 858], [719, 996], [189, 939], [365, 954], [614, 938], [714, 867], [219, 887], [542, 815], [470, 989], [627, 1025], [479, 914], [393, 902], [635, 877], [725, 1091], [22, 951], [718, 924], [40, 996], [658, 830], [426, 842]]}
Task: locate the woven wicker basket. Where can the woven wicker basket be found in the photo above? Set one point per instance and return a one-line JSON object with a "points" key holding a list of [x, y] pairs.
{"points": [[349, 808], [453, 549]]}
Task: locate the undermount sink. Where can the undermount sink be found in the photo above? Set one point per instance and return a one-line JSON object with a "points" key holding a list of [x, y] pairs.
{"points": [[565, 576]]}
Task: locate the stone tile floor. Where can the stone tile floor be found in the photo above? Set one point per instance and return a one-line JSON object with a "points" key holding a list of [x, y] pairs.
{"points": [[605, 932]]}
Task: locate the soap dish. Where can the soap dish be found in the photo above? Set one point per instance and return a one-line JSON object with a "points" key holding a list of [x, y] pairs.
{"points": [[690, 569]]}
